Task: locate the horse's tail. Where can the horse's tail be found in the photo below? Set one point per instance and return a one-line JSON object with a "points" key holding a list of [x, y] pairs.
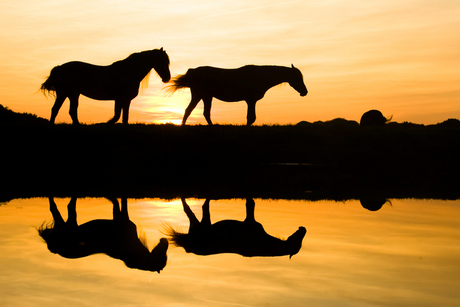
{"points": [[49, 86], [177, 238], [178, 82]]}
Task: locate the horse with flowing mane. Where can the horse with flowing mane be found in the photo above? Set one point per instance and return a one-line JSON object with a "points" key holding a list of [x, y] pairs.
{"points": [[248, 83], [118, 81], [247, 238], [117, 238]]}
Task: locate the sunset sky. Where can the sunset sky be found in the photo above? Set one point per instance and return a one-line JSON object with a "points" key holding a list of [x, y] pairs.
{"points": [[400, 57]]}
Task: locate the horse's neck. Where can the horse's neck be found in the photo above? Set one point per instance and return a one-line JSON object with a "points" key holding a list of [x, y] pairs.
{"points": [[135, 67], [274, 75]]}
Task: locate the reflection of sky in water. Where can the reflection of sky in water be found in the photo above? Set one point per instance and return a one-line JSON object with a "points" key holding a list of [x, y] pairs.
{"points": [[405, 254]]}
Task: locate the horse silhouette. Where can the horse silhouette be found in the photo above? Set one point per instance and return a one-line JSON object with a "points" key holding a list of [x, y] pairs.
{"points": [[247, 238], [248, 83], [374, 118], [118, 81], [117, 238]]}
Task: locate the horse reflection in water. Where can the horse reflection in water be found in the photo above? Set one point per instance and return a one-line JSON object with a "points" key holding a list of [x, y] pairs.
{"points": [[247, 238], [118, 81], [248, 83], [117, 238]]}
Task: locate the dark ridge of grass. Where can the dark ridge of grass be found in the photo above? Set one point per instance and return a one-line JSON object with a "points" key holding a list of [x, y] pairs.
{"points": [[336, 159], [11, 118]]}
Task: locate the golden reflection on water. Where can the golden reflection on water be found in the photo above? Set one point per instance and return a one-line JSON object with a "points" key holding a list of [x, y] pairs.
{"points": [[405, 254]]}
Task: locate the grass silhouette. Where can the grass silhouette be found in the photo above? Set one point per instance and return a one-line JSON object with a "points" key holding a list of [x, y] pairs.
{"points": [[336, 159]]}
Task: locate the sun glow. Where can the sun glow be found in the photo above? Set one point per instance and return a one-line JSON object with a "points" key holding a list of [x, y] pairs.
{"points": [[165, 114]]}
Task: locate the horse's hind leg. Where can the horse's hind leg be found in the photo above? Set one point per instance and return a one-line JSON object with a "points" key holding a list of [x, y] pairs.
{"points": [[207, 109], [250, 207], [191, 106], [206, 215], [60, 98], [73, 108], [58, 220], [191, 216]]}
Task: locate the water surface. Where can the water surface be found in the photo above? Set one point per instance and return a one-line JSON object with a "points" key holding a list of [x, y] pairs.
{"points": [[407, 253]]}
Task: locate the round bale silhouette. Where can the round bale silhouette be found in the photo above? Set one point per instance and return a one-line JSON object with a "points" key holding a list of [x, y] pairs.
{"points": [[373, 118]]}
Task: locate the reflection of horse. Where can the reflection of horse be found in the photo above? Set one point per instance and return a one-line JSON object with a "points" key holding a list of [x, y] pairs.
{"points": [[117, 238], [118, 81], [246, 238], [247, 83]]}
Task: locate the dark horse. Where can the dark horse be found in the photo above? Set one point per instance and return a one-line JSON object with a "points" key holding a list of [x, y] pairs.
{"points": [[248, 83], [246, 238], [117, 238], [118, 81]]}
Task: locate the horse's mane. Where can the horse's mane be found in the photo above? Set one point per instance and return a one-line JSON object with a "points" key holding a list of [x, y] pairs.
{"points": [[144, 83], [143, 238], [137, 57]]}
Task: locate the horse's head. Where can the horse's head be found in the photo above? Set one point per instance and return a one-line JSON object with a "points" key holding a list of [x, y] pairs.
{"points": [[296, 81], [159, 254], [161, 64], [153, 261]]}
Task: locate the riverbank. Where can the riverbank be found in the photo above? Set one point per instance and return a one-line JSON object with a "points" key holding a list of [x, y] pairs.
{"points": [[337, 159]]}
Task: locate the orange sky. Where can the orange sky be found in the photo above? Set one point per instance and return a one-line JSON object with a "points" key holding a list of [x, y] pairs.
{"points": [[401, 57]]}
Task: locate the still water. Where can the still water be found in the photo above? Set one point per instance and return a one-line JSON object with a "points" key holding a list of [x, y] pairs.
{"points": [[407, 253]]}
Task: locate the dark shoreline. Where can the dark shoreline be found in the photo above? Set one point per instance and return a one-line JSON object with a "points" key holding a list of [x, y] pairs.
{"points": [[324, 160]]}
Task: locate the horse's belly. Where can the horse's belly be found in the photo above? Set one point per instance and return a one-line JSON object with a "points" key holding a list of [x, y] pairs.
{"points": [[230, 93], [98, 96], [109, 91], [229, 98]]}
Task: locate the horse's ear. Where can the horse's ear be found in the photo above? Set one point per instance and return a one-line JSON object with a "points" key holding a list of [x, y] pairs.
{"points": [[161, 49], [292, 65]]}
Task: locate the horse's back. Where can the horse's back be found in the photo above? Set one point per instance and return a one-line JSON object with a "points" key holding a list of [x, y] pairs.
{"points": [[230, 236], [76, 68], [227, 73], [227, 84], [245, 79]]}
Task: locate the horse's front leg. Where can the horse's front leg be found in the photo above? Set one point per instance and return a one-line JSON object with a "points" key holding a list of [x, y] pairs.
{"points": [[73, 108], [72, 213], [116, 116], [251, 117], [115, 208], [206, 215], [126, 111]]}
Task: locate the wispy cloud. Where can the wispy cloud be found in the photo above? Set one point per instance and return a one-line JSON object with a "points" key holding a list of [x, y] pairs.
{"points": [[249, 9]]}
